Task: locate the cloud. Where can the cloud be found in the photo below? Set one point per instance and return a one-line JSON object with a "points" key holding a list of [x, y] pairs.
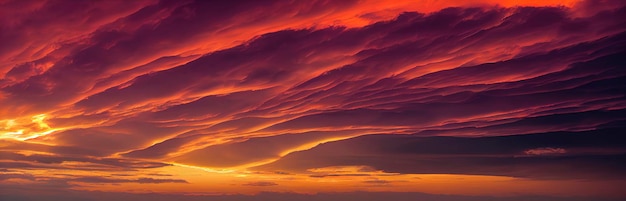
{"points": [[545, 151], [405, 75], [261, 184], [143, 180], [598, 151], [377, 182], [5, 176], [17, 160], [257, 149]]}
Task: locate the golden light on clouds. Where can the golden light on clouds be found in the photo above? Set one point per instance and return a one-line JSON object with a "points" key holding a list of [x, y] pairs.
{"points": [[26, 128]]}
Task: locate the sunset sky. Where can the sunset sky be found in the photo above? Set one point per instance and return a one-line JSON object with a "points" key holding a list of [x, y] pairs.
{"points": [[312, 100]]}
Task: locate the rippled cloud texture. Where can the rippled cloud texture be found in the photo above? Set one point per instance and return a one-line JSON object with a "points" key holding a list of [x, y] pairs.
{"points": [[312, 100]]}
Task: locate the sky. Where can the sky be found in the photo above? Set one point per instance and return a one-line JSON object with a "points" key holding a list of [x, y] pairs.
{"points": [[312, 100]]}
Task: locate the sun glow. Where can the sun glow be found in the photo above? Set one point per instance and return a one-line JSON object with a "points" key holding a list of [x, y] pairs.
{"points": [[26, 128]]}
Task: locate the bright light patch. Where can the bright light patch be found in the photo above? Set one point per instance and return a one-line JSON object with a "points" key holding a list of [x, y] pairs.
{"points": [[25, 128]]}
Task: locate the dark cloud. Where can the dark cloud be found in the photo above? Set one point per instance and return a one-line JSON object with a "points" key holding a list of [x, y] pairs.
{"points": [[55, 161], [597, 154], [143, 180], [426, 107], [128, 41], [6, 176]]}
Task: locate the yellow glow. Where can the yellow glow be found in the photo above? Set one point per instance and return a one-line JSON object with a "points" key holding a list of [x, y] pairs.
{"points": [[38, 119], [26, 128], [222, 171], [9, 124]]}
